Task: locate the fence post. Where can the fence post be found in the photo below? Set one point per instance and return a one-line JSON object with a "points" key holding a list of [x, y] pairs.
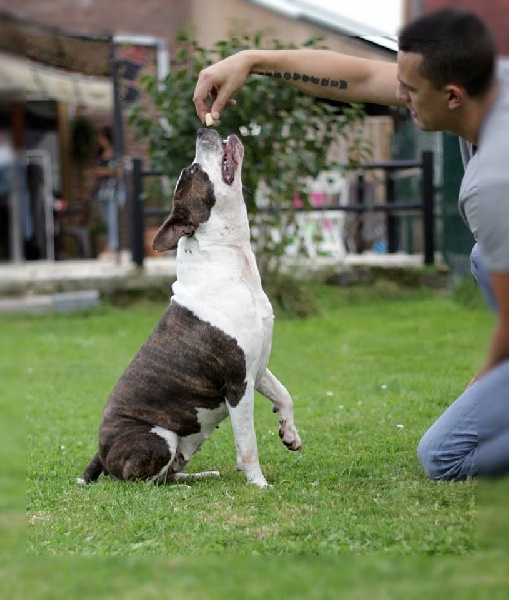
{"points": [[359, 217], [390, 219], [136, 221], [428, 208]]}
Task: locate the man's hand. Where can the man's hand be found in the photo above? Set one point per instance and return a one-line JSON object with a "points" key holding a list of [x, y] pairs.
{"points": [[499, 347], [217, 83]]}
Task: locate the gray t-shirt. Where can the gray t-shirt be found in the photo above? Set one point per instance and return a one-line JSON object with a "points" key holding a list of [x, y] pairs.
{"points": [[484, 192]]}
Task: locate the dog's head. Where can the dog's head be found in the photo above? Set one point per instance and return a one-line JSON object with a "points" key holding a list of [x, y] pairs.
{"points": [[212, 179]]}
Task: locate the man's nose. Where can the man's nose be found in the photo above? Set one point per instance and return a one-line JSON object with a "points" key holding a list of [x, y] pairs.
{"points": [[402, 94]]}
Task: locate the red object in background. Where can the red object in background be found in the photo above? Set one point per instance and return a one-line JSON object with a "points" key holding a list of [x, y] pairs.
{"points": [[134, 53], [132, 59]]}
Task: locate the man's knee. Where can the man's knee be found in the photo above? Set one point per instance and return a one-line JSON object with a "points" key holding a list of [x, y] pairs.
{"points": [[442, 463], [428, 457]]}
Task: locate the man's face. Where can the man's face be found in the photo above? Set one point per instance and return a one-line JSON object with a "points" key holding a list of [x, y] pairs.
{"points": [[427, 105]]}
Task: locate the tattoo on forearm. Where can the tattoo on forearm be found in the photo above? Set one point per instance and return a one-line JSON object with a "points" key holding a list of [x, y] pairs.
{"points": [[321, 81]]}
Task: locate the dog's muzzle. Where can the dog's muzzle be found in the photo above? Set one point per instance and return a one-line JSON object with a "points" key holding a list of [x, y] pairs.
{"points": [[231, 149], [232, 152]]}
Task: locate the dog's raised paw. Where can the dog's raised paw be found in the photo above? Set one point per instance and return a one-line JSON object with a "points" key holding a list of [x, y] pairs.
{"points": [[290, 437]]}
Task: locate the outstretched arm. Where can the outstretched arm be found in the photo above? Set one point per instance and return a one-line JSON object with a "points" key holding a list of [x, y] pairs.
{"points": [[321, 73]]}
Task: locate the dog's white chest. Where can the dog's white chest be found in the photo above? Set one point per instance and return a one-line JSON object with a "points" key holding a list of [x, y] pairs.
{"points": [[222, 287]]}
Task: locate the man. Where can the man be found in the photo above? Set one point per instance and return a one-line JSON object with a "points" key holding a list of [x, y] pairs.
{"points": [[446, 76]]}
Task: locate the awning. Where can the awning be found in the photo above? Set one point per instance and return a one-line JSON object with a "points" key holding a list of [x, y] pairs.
{"points": [[41, 61], [34, 81]]}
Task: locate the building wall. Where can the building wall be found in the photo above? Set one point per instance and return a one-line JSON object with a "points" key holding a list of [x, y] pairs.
{"points": [[219, 19], [210, 21], [152, 17]]}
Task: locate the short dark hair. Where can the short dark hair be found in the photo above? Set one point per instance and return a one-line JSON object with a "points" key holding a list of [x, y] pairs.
{"points": [[457, 47]]}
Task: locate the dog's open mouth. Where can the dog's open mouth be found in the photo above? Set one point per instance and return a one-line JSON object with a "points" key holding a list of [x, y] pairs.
{"points": [[232, 152]]}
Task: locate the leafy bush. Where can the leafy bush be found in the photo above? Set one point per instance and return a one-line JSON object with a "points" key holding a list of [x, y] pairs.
{"points": [[285, 133]]}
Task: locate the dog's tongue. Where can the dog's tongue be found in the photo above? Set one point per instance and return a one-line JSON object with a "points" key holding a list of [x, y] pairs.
{"points": [[228, 166]]}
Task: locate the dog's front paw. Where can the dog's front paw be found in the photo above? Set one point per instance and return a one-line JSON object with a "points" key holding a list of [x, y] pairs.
{"points": [[290, 436], [260, 482]]}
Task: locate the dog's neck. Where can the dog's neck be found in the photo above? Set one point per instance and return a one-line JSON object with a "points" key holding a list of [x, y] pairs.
{"points": [[217, 249], [223, 228], [215, 245]]}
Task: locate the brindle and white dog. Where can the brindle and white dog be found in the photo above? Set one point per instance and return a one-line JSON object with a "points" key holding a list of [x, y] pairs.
{"points": [[209, 352]]}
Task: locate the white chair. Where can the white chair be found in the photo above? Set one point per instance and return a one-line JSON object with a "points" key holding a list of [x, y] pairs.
{"points": [[321, 230], [261, 225]]}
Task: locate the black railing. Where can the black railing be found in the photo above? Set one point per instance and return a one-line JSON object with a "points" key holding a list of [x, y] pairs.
{"points": [[138, 211], [391, 207]]}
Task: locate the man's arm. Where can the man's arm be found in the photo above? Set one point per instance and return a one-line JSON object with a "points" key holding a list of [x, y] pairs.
{"points": [[321, 73]]}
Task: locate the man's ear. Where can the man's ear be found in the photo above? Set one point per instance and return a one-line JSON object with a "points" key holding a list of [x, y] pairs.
{"points": [[455, 96], [170, 233]]}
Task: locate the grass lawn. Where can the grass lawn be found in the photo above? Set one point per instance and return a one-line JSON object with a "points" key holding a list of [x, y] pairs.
{"points": [[367, 376]]}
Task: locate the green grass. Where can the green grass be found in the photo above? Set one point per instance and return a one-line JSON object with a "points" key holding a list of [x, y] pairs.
{"points": [[367, 377]]}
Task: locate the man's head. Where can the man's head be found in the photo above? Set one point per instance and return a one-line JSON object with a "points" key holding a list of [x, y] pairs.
{"points": [[445, 59]]}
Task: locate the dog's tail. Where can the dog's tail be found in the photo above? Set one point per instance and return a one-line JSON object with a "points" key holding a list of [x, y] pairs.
{"points": [[92, 472]]}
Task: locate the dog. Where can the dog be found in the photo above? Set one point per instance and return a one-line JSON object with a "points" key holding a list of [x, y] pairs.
{"points": [[209, 352]]}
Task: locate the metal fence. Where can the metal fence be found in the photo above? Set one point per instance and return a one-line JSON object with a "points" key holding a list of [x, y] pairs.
{"points": [[393, 207]]}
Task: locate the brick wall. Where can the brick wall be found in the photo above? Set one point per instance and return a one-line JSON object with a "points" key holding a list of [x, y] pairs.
{"points": [[161, 18]]}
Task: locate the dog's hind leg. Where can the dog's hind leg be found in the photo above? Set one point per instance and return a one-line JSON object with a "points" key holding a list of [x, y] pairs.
{"points": [[94, 469], [282, 404], [141, 453]]}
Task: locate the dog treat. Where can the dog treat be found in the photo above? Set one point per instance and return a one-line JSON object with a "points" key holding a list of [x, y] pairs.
{"points": [[209, 120]]}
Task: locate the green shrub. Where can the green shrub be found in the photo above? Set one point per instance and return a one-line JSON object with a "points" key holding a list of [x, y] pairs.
{"points": [[285, 133]]}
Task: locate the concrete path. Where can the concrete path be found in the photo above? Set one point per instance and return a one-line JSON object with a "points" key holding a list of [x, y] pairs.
{"points": [[62, 285]]}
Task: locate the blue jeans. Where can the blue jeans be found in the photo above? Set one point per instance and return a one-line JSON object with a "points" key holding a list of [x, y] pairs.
{"points": [[482, 277], [471, 438]]}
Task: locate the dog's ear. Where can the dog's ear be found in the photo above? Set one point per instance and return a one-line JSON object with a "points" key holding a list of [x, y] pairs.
{"points": [[170, 233]]}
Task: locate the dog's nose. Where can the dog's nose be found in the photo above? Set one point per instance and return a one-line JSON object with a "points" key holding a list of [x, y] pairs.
{"points": [[207, 133]]}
